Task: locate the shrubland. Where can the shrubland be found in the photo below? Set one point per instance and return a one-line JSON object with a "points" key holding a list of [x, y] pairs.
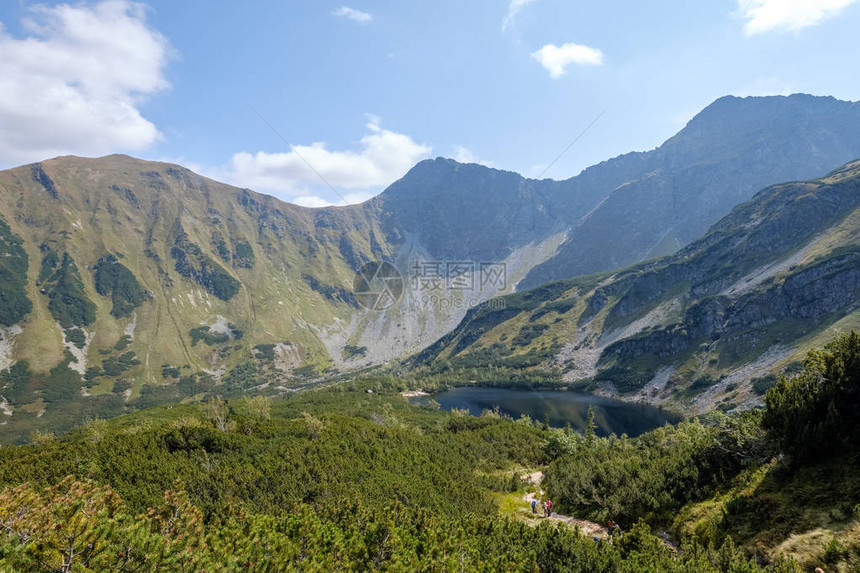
{"points": [[339, 478]]}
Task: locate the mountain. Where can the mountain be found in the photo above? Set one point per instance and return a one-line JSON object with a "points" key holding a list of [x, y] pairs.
{"points": [[129, 273], [128, 282], [730, 150], [705, 327]]}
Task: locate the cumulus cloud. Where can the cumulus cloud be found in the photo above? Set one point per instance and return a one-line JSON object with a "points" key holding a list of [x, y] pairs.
{"points": [[74, 83], [383, 157], [353, 14], [556, 59], [311, 201], [315, 201], [787, 15], [514, 8], [464, 155], [373, 122]]}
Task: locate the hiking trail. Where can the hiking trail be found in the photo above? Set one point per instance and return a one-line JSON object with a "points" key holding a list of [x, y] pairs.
{"points": [[589, 528]]}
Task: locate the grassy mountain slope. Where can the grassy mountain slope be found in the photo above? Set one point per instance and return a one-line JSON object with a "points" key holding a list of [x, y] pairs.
{"points": [[704, 327], [179, 235], [132, 256]]}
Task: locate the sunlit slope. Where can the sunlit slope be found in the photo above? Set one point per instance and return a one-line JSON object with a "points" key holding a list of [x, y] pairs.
{"points": [[200, 249]]}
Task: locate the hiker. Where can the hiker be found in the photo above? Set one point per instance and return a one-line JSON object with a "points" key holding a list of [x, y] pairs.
{"points": [[614, 528], [548, 508], [534, 506]]}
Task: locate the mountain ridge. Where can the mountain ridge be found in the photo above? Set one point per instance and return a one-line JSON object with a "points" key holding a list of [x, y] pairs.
{"points": [[768, 281], [135, 282]]}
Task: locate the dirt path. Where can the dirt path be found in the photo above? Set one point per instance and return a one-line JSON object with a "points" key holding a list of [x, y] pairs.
{"points": [[589, 528]]}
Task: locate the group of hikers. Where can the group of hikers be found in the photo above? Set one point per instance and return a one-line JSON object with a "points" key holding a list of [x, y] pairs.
{"points": [[546, 506], [613, 528]]}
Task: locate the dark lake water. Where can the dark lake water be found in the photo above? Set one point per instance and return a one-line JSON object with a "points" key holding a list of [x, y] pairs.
{"points": [[612, 416]]}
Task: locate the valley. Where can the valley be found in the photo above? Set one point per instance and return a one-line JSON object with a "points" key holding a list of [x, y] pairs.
{"points": [[151, 284]]}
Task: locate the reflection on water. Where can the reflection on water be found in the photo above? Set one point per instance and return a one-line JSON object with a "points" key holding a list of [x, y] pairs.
{"points": [[612, 416]]}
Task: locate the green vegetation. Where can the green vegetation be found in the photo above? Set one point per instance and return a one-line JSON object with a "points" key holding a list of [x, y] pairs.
{"points": [[211, 338], [764, 383], [338, 478], [77, 337], [651, 477], [50, 263], [221, 246], [243, 255], [332, 293], [62, 383], [168, 371], [782, 479], [42, 178], [69, 303], [529, 332], [60, 391], [816, 413], [195, 384], [115, 280], [351, 351], [14, 263], [113, 366], [327, 480], [265, 351], [194, 264], [306, 371], [482, 319], [122, 343], [15, 384], [245, 375]]}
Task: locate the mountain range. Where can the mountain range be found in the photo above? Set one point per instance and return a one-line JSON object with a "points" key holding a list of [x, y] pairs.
{"points": [[133, 282], [705, 327]]}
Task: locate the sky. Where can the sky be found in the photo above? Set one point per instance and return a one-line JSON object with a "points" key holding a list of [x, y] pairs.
{"points": [[320, 102]]}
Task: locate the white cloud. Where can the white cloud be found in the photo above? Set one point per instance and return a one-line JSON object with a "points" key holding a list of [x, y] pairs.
{"points": [[787, 15], [353, 14], [74, 84], [358, 197], [514, 8], [556, 58], [383, 157], [464, 155], [373, 122], [307, 200], [311, 201]]}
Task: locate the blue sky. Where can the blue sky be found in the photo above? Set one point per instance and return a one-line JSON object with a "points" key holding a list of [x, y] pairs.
{"points": [[365, 89]]}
